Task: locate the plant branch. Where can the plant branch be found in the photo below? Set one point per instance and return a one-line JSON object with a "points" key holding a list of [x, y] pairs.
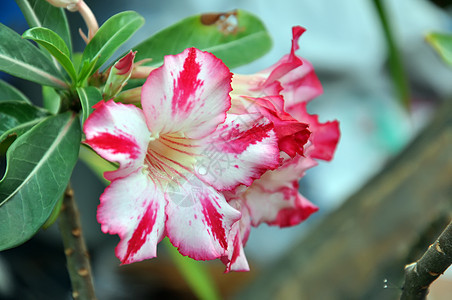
{"points": [[419, 275], [75, 249]]}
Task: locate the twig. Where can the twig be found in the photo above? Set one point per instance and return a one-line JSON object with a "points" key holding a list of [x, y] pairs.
{"points": [[419, 275], [75, 249]]}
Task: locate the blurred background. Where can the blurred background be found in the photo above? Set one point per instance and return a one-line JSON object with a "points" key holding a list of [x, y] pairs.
{"points": [[346, 44]]}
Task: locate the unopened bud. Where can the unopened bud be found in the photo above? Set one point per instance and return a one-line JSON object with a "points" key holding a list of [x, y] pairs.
{"points": [[130, 96], [119, 75]]}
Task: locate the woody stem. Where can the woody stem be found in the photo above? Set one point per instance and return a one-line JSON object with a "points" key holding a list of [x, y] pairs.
{"points": [[419, 275], [77, 257]]}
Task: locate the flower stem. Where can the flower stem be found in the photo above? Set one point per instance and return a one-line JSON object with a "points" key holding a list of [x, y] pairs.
{"points": [[419, 275], [75, 249], [89, 18]]}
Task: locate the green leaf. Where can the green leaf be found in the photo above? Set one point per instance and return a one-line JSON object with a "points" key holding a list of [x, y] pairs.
{"points": [[86, 69], [8, 92], [241, 43], [112, 34], [39, 165], [39, 13], [20, 58], [17, 117], [88, 97], [8, 137], [442, 43], [77, 60], [14, 112], [55, 214], [55, 45], [51, 100]]}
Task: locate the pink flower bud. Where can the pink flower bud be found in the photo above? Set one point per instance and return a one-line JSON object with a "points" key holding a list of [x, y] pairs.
{"points": [[119, 75]]}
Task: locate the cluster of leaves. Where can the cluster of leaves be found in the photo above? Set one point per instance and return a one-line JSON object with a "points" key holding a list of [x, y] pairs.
{"points": [[42, 144]]}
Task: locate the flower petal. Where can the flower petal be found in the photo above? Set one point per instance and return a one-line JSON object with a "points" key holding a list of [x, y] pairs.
{"points": [[284, 207], [198, 219], [133, 208], [299, 211], [188, 94], [288, 62], [292, 135], [301, 84], [298, 81], [324, 137], [241, 150], [292, 169], [236, 259], [277, 191], [118, 133]]}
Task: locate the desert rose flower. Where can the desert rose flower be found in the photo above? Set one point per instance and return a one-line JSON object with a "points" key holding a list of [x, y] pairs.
{"points": [[280, 93], [175, 155]]}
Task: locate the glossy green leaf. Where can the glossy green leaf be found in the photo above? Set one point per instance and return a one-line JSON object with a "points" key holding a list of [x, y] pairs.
{"points": [[442, 43], [8, 137], [8, 92], [237, 38], [55, 214], [88, 97], [55, 45], [112, 34], [39, 165], [15, 112], [40, 13], [17, 117], [20, 58], [86, 69], [77, 60], [51, 100]]}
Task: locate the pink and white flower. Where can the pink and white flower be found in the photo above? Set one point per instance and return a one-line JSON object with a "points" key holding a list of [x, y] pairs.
{"points": [[280, 93], [175, 155]]}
